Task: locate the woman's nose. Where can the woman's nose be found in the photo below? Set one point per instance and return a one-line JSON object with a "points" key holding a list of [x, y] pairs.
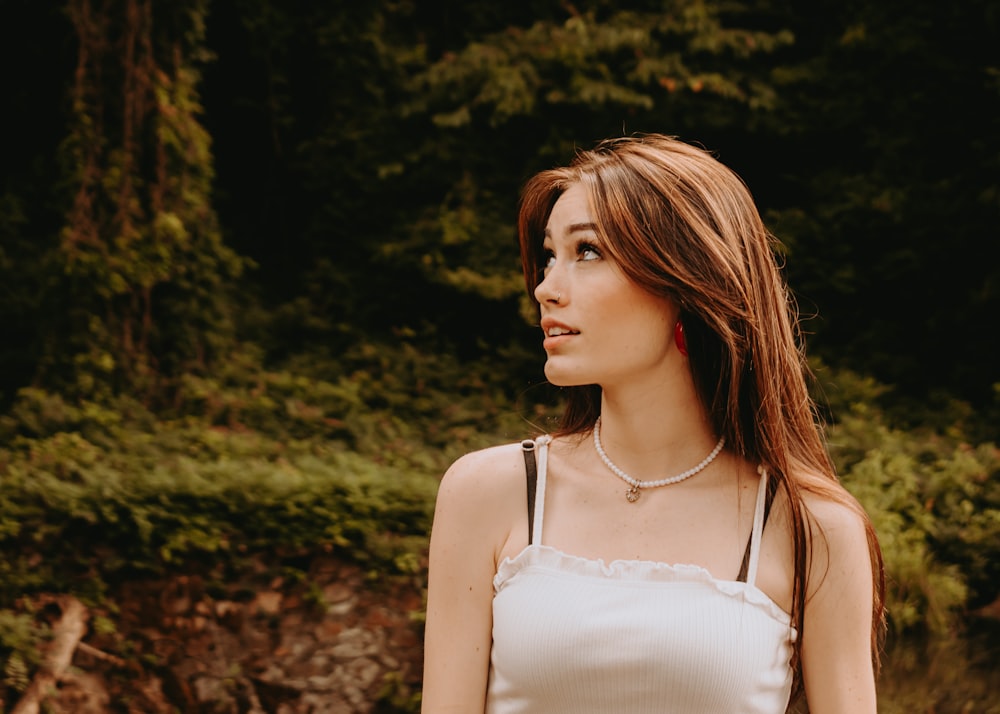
{"points": [[548, 291]]}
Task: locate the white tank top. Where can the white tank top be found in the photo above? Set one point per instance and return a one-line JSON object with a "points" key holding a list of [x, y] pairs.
{"points": [[576, 636]]}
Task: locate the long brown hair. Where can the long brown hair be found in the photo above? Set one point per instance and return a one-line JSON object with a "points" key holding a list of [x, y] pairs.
{"points": [[683, 226]]}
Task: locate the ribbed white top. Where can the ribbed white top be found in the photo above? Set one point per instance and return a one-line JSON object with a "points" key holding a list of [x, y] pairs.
{"points": [[573, 635]]}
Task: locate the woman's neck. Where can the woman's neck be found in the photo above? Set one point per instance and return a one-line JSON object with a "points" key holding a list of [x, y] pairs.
{"points": [[653, 434]]}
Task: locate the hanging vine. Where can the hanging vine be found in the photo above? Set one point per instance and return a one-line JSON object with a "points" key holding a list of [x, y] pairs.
{"points": [[146, 266]]}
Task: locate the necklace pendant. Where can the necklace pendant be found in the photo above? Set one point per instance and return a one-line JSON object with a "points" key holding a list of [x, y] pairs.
{"points": [[632, 495]]}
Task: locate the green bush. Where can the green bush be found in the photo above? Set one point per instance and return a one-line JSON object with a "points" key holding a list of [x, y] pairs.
{"points": [[934, 501], [342, 456], [20, 636], [78, 512]]}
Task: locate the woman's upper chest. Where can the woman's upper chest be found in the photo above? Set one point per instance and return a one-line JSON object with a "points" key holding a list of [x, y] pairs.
{"points": [[706, 522]]}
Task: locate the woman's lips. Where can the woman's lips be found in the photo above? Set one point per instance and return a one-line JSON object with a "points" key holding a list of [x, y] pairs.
{"points": [[556, 333]]}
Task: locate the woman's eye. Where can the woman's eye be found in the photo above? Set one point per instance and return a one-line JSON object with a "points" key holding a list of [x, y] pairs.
{"points": [[588, 252], [548, 260]]}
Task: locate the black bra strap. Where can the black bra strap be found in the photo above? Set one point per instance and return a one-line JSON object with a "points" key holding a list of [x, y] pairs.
{"points": [[768, 500], [531, 472]]}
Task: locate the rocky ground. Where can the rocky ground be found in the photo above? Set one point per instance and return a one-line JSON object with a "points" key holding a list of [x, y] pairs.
{"points": [[320, 638]]}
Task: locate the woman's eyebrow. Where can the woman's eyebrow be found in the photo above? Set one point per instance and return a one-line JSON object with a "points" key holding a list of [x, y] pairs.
{"points": [[576, 228]]}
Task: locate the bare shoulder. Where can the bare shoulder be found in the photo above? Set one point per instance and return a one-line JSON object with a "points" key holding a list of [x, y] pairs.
{"points": [[828, 507], [481, 514], [839, 517], [838, 535], [483, 496], [484, 474]]}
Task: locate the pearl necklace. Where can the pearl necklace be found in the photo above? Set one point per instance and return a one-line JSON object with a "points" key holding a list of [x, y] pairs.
{"points": [[632, 495]]}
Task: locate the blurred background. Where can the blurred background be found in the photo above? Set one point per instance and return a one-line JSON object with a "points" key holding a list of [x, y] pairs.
{"points": [[259, 285]]}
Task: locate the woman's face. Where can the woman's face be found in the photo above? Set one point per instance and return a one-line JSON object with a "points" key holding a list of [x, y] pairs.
{"points": [[600, 327]]}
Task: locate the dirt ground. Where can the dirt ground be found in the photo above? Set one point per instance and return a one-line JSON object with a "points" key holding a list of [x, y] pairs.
{"points": [[323, 637]]}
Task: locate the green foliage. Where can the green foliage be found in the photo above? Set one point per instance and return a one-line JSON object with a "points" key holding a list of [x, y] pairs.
{"points": [[16, 673], [132, 501], [144, 269], [249, 461], [290, 463], [396, 697], [934, 502], [368, 156], [282, 465], [398, 404], [892, 116], [942, 675], [540, 86], [20, 635], [629, 59]]}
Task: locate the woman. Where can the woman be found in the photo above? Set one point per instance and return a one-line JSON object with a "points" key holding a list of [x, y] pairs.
{"points": [[686, 546]]}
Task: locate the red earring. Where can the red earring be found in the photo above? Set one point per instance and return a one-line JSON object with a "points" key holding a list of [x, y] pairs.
{"points": [[679, 339]]}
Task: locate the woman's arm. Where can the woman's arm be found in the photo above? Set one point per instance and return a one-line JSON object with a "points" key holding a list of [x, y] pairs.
{"points": [[836, 646], [472, 521]]}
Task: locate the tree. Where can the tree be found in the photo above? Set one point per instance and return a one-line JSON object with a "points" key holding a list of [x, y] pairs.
{"points": [[503, 104], [144, 269], [885, 189]]}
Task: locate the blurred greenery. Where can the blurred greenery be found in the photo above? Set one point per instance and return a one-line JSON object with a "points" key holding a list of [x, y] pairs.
{"points": [[259, 286], [271, 462]]}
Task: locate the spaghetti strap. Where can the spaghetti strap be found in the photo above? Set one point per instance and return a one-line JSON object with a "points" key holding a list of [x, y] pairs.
{"points": [[542, 449], [758, 528], [531, 479]]}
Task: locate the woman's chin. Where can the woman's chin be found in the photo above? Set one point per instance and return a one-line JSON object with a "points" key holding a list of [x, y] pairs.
{"points": [[560, 377]]}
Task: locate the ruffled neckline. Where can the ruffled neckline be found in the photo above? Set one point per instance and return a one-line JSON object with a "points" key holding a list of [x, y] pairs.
{"points": [[550, 558]]}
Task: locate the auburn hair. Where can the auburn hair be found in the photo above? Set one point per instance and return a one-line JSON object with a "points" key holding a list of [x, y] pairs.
{"points": [[683, 226]]}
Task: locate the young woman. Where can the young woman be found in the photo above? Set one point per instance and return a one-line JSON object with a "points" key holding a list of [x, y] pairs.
{"points": [[684, 544]]}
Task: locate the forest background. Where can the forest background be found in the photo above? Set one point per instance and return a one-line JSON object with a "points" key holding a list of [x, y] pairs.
{"points": [[259, 283]]}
